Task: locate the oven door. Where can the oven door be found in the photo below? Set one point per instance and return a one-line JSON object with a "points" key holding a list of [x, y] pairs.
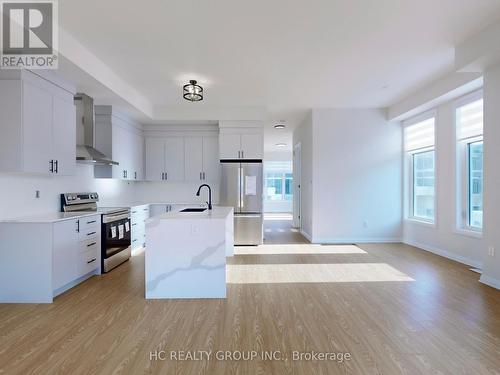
{"points": [[116, 240]]}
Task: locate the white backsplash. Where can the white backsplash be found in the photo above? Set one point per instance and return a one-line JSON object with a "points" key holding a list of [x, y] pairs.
{"points": [[17, 191]]}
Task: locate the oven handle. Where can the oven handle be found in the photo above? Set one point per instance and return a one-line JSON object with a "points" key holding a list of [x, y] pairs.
{"points": [[110, 218]]}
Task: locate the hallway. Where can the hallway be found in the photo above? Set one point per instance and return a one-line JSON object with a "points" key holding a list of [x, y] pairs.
{"points": [[278, 229]]}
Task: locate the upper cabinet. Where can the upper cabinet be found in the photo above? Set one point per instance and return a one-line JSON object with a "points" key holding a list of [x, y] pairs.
{"points": [[121, 139], [241, 140], [190, 158], [201, 157], [38, 132], [165, 159]]}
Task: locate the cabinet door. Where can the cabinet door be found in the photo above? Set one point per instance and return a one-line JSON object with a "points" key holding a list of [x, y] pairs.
{"points": [[64, 136], [211, 162], [252, 146], [65, 253], [229, 146], [155, 158], [37, 129], [174, 159], [138, 158], [193, 155]]}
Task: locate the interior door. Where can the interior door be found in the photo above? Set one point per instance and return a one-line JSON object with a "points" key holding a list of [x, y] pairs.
{"points": [[230, 185], [251, 187], [193, 156], [155, 159]]}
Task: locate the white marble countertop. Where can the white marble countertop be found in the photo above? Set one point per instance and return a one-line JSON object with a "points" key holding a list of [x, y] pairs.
{"points": [[49, 217], [218, 212]]}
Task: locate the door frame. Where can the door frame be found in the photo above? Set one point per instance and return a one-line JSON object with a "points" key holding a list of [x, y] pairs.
{"points": [[297, 191]]}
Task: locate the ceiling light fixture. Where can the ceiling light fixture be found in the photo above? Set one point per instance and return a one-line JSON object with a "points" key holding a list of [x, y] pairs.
{"points": [[280, 144], [279, 126], [193, 92]]}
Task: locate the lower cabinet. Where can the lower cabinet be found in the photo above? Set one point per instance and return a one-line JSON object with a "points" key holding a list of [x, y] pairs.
{"points": [[76, 251], [138, 217]]}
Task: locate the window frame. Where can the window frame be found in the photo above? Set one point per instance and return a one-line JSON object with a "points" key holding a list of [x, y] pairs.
{"points": [[410, 173], [462, 186]]}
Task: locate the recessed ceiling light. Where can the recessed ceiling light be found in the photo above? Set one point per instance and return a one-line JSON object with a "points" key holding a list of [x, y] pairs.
{"points": [[279, 126], [280, 144]]}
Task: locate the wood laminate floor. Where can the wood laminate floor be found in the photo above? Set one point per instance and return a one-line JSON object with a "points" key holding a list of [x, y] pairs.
{"points": [[278, 229], [395, 309]]}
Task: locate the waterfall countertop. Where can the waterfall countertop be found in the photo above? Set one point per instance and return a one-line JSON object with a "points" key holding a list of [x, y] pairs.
{"points": [[186, 254]]}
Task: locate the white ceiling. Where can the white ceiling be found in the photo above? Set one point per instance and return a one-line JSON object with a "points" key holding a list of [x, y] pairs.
{"points": [[285, 55]]}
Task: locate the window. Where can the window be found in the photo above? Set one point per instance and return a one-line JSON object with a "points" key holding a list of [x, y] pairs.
{"points": [[419, 148], [469, 123], [278, 181]]}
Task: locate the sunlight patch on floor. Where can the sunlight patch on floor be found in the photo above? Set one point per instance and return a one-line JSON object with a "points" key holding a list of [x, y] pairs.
{"points": [[278, 216], [298, 249], [312, 273]]}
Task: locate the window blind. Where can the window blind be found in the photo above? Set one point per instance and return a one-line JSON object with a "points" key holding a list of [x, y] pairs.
{"points": [[419, 135], [470, 120]]}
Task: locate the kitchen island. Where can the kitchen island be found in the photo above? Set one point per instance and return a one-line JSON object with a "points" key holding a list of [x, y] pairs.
{"points": [[186, 254]]}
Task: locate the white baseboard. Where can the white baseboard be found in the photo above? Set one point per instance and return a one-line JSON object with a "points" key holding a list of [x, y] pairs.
{"points": [[490, 281], [445, 253], [356, 240], [306, 235]]}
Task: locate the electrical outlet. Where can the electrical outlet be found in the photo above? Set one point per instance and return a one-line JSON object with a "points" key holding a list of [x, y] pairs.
{"points": [[491, 251], [37, 193]]}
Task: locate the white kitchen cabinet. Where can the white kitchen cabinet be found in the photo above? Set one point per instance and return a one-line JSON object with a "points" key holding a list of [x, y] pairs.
{"points": [[64, 131], [49, 258], [121, 139], [241, 143], [76, 250], [211, 162], [174, 159], [38, 126], [155, 159], [165, 159], [193, 155], [65, 253], [230, 146], [138, 217]]}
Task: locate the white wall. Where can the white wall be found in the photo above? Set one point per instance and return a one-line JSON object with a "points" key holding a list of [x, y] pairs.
{"points": [[303, 134], [17, 191], [357, 176], [443, 238], [491, 230]]}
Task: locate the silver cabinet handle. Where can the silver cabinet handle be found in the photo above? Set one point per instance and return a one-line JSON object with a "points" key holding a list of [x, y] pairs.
{"points": [[57, 166], [91, 222], [92, 244], [51, 169], [78, 226], [91, 261], [204, 176], [91, 233]]}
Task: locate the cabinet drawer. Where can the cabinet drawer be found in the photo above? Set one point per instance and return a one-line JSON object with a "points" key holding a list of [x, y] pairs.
{"points": [[90, 244], [89, 233], [89, 222], [88, 261]]}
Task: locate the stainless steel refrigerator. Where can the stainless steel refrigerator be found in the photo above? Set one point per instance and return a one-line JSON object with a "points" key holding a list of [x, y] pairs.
{"points": [[241, 188]]}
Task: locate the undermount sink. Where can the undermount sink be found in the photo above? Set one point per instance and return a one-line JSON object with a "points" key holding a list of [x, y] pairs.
{"points": [[198, 209]]}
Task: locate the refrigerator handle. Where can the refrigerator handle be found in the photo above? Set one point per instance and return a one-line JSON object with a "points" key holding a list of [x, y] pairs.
{"points": [[240, 187]]}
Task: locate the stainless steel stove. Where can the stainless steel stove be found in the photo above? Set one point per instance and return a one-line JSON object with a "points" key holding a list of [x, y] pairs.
{"points": [[115, 227]]}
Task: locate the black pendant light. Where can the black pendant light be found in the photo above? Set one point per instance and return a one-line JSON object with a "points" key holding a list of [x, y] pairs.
{"points": [[193, 92]]}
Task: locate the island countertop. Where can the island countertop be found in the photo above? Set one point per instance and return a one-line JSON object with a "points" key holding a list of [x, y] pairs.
{"points": [[217, 212], [186, 253]]}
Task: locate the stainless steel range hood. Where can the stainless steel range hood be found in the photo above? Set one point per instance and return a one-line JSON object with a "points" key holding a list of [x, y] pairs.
{"points": [[86, 153]]}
